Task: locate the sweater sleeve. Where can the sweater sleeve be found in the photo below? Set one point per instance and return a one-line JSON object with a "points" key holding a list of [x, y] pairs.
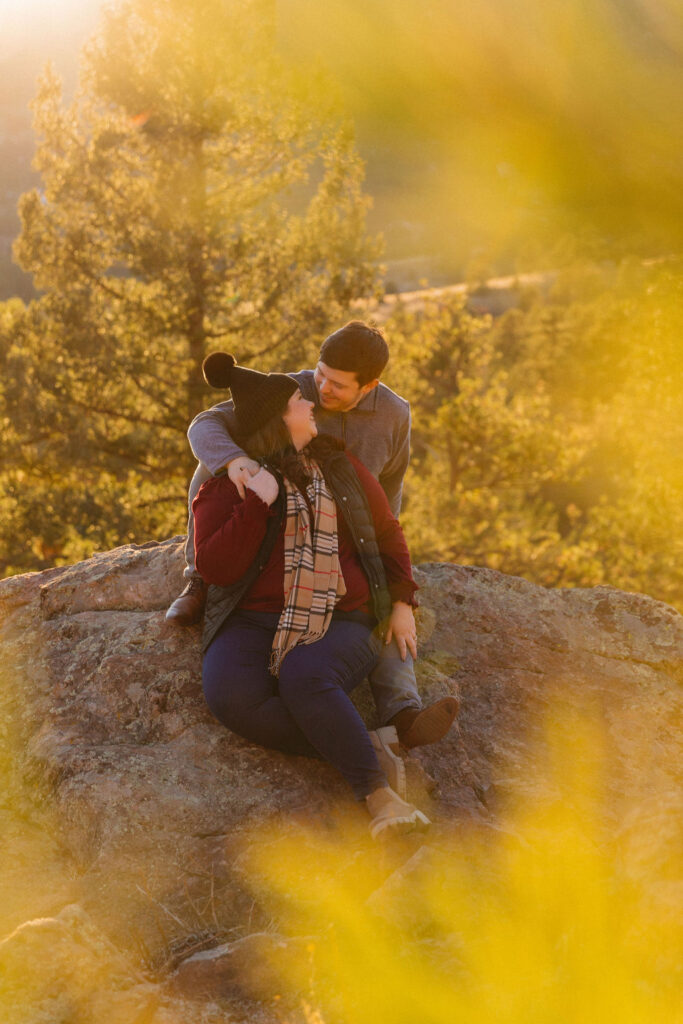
{"points": [[211, 439], [390, 538], [391, 476], [228, 531]]}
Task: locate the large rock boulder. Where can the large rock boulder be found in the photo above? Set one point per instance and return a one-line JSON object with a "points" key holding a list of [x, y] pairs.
{"points": [[141, 799]]}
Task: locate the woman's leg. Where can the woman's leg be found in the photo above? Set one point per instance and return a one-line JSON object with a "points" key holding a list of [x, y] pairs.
{"points": [[315, 680], [239, 689]]}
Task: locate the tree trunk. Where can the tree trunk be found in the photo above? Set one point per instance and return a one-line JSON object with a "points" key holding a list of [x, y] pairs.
{"points": [[196, 330]]}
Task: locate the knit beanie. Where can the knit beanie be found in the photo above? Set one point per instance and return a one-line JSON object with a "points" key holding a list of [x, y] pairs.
{"points": [[257, 397]]}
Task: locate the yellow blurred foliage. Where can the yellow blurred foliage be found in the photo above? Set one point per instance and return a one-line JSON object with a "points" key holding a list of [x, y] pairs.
{"points": [[519, 121], [544, 917]]}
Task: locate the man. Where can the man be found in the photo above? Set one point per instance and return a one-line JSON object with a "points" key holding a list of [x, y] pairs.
{"points": [[374, 422]]}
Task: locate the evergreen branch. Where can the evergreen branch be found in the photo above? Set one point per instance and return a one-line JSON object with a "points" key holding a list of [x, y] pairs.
{"points": [[154, 395], [119, 415], [174, 498], [273, 346], [108, 289], [218, 334], [91, 276], [147, 469]]}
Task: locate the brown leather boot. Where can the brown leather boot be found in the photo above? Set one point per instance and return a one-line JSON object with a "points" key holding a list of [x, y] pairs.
{"points": [[188, 607], [417, 728]]}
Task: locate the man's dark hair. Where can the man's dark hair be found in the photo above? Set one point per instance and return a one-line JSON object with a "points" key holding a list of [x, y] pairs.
{"points": [[356, 347]]}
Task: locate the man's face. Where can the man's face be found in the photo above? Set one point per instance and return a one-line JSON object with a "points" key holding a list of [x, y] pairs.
{"points": [[339, 390]]}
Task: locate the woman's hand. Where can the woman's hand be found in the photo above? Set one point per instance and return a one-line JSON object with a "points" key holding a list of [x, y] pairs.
{"points": [[265, 485], [240, 470], [402, 629]]}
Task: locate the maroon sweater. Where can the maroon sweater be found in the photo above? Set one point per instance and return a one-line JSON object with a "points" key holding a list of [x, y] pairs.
{"points": [[229, 532]]}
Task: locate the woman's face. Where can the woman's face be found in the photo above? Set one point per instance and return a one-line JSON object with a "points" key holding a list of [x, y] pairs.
{"points": [[299, 420]]}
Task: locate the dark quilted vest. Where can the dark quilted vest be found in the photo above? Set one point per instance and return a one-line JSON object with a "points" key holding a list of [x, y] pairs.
{"points": [[347, 491]]}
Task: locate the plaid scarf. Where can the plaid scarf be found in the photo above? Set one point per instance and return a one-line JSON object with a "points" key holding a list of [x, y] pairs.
{"points": [[313, 577]]}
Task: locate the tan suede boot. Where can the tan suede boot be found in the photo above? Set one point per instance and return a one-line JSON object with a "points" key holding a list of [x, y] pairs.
{"points": [[387, 747], [388, 811]]}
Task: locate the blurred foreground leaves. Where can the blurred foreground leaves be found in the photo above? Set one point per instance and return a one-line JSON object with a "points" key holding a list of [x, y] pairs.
{"points": [[513, 123], [544, 917]]}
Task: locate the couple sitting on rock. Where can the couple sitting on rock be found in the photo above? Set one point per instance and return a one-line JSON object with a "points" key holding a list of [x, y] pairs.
{"points": [[304, 569]]}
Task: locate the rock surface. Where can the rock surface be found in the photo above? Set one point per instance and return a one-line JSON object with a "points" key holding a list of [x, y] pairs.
{"points": [[111, 752]]}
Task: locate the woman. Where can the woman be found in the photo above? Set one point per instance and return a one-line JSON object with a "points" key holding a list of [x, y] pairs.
{"points": [[301, 572]]}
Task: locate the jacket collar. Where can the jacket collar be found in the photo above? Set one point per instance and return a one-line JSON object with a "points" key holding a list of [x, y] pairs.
{"points": [[368, 403]]}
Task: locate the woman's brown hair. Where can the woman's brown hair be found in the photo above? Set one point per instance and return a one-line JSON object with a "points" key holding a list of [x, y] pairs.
{"points": [[269, 440], [272, 443]]}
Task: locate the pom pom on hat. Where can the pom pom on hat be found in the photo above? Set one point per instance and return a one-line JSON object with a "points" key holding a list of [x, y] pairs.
{"points": [[217, 369], [256, 397]]}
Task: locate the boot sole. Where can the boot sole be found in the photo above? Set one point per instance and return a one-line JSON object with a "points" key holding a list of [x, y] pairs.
{"points": [[179, 617], [416, 822]]}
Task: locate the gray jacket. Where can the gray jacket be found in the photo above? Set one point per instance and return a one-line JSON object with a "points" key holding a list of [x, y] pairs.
{"points": [[376, 431]]}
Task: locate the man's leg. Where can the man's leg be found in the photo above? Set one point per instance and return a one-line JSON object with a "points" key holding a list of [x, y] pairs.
{"points": [[398, 702], [393, 683], [188, 607]]}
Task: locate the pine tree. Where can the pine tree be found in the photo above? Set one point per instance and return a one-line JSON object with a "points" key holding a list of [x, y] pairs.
{"points": [[196, 194]]}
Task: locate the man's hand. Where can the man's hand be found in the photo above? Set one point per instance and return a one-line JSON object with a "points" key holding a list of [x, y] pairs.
{"points": [[240, 471], [264, 484], [402, 629]]}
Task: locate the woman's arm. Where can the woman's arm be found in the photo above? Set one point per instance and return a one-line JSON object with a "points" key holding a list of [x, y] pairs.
{"points": [[228, 531]]}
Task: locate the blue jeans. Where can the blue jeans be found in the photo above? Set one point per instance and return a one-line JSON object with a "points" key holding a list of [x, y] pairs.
{"points": [[307, 710], [393, 683]]}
